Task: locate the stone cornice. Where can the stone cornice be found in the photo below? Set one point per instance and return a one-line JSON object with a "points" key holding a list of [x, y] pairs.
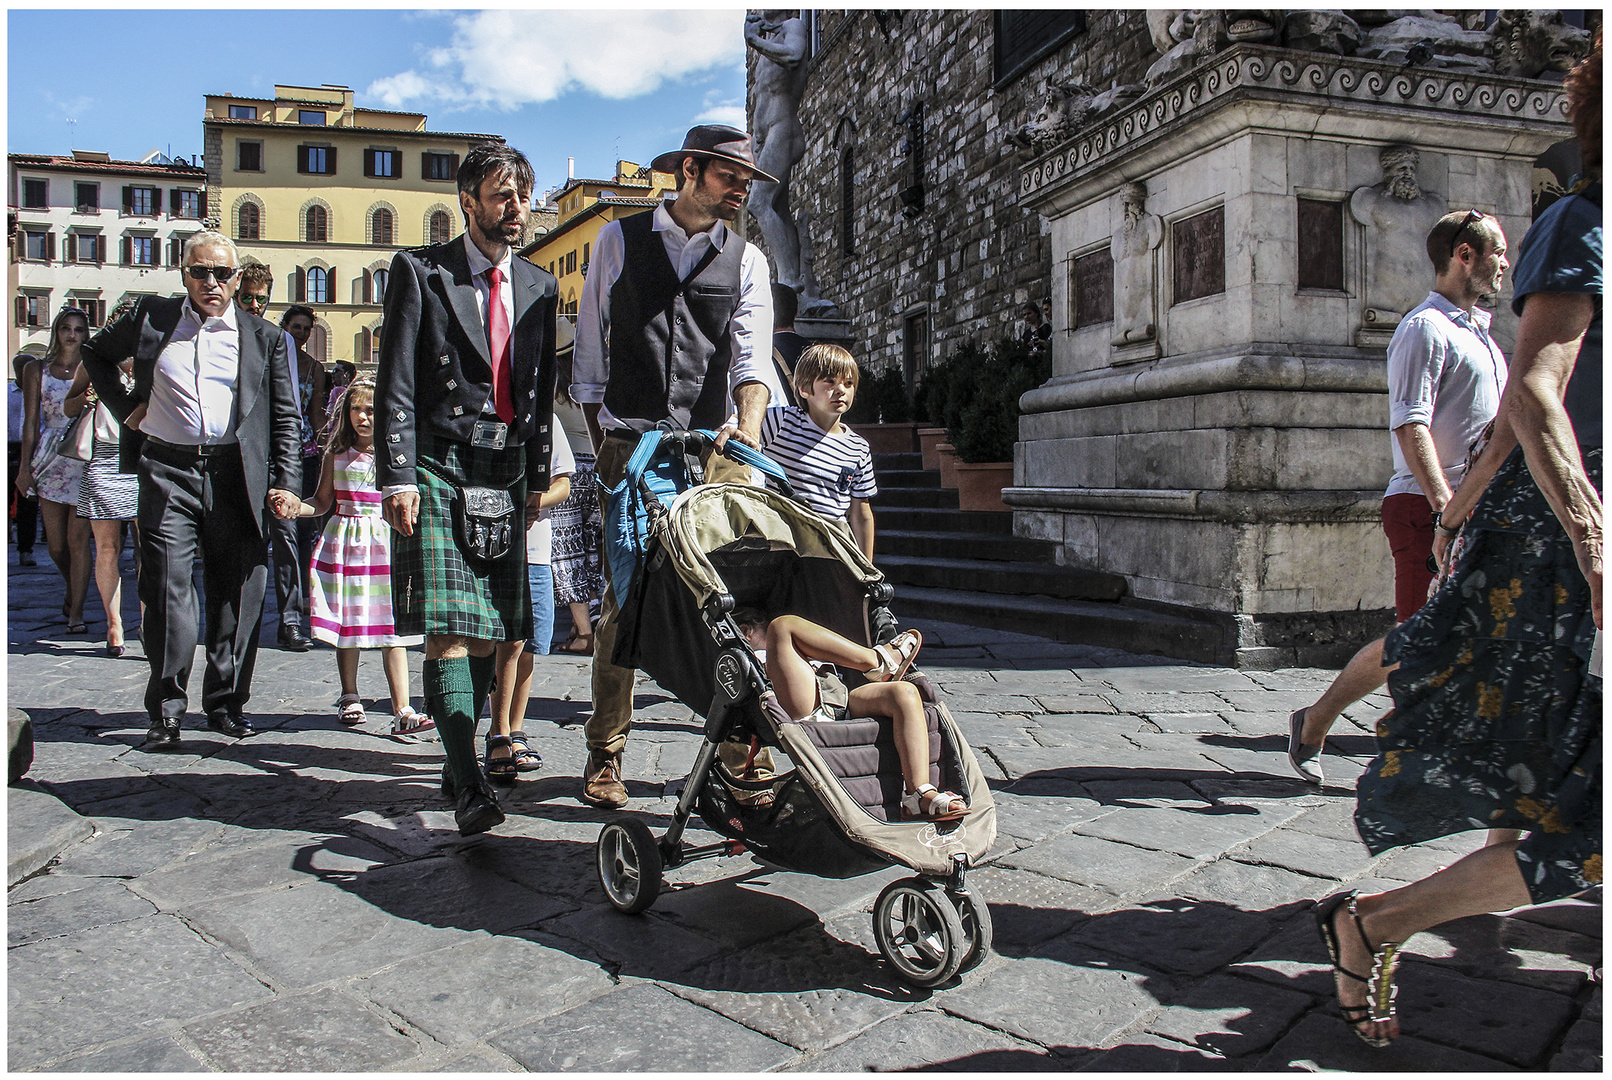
{"points": [[1235, 507], [1304, 92]]}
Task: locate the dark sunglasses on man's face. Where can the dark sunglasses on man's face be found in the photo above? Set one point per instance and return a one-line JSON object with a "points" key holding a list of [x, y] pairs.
{"points": [[220, 274], [253, 299]]}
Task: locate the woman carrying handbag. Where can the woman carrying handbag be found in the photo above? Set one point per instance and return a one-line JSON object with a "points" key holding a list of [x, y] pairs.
{"points": [[106, 498], [45, 385]]}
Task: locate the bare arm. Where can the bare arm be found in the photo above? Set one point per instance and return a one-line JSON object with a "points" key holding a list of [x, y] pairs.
{"points": [[787, 48], [1502, 440], [79, 394], [325, 497], [751, 399], [861, 520], [590, 413], [1548, 339], [30, 424], [1422, 457]]}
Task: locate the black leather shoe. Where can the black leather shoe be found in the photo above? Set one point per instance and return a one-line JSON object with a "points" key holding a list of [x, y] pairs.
{"points": [[478, 811], [163, 734], [236, 727], [293, 639]]}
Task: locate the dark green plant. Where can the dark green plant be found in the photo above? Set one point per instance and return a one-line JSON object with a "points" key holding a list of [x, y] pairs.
{"points": [[982, 397], [881, 398]]}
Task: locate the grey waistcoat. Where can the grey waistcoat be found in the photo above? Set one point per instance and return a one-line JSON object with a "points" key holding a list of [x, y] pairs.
{"points": [[669, 340]]}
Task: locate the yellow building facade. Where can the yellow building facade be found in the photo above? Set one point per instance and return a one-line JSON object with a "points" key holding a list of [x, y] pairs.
{"points": [[324, 193], [583, 207]]}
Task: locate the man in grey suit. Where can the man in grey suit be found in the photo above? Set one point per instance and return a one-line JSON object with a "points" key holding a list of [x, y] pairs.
{"points": [[210, 426]]}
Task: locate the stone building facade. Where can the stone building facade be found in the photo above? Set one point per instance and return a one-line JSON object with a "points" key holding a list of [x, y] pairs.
{"points": [[905, 99]]}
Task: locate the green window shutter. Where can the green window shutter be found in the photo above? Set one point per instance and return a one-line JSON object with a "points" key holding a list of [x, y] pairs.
{"points": [[330, 161], [453, 166], [50, 246], [100, 249], [71, 254], [125, 251], [299, 286], [128, 198], [369, 163], [302, 159]]}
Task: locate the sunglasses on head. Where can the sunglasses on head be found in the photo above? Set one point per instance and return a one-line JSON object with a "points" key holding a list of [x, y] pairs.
{"points": [[1471, 219], [220, 274]]}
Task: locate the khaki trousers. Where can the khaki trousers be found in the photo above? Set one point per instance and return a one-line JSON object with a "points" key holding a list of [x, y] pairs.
{"points": [[607, 728]]}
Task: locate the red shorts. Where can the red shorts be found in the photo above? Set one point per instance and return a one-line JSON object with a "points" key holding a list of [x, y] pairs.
{"points": [[1408, 523]]}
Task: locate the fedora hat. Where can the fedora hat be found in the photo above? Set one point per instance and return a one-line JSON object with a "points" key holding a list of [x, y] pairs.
{"points": [[713, 141]]}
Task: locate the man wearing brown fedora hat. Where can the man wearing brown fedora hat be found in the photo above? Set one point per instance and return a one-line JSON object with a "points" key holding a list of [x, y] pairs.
{"points": [[675, 323]]}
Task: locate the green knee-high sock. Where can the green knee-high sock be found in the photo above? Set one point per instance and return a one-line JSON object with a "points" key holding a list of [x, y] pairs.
{"points": [[481, 681], [449, 684]]}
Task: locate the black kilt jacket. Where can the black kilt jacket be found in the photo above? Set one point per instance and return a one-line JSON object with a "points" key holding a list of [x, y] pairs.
{"points": [[435, 366]]}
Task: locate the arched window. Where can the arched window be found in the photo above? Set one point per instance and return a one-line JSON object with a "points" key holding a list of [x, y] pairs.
{"points": [[248, 223], [380, 231], [378, 286], [318, 285], [441, 228], [318, 229]]}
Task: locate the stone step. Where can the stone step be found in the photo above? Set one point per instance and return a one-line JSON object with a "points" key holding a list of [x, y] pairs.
{"points": [[912, 478], [885, 462], [961, 545], [1082, 622], [939, 497], [936, 519], [1001, 577]]}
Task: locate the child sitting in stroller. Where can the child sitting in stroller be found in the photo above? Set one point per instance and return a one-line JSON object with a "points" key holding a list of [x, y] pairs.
{"points": [[790, 646]]}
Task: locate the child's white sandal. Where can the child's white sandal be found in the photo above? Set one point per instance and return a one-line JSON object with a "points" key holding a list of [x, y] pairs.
{"points": [[895, 657]]}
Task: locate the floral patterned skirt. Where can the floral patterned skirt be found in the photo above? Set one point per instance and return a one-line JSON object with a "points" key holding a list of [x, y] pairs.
{"points": [[1496, 721]]}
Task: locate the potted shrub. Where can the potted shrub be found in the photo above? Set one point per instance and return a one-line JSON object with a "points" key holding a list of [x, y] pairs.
{"points": [[882, 413], [982, 409]]}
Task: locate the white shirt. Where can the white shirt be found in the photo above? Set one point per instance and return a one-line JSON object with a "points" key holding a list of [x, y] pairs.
{"points": [[751, 328], [540, 536], [1444, 371], [193, 396], [827, 470]]}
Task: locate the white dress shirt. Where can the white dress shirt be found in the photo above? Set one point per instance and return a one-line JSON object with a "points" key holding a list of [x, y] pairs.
{"points": [[193, 389], [1444, 371], [751, 329]]}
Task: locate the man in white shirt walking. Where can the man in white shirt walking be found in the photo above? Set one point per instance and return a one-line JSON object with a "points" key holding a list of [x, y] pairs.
{"points": [[675, 323], [211, 428], [1445, 377]]}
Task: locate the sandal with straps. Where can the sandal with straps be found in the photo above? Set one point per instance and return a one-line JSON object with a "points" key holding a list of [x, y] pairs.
{"points": [[1380, 987], [895, 656], [499, 770], [351, 708], [942, 806], [526, 759], [409, 722]]}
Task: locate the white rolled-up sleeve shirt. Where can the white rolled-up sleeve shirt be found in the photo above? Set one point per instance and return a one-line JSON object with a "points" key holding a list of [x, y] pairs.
{"points": [[751, 328]]}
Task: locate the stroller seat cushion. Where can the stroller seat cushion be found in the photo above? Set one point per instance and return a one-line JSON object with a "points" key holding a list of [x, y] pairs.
{"points": [[862, 755]]}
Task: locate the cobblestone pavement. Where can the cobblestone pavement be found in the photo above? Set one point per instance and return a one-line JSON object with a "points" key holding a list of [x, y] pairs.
{"points": [[300, 901]]}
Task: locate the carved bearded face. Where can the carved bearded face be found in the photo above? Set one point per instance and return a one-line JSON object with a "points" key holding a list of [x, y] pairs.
{"points": [[1399, 173], [1133, 200]]}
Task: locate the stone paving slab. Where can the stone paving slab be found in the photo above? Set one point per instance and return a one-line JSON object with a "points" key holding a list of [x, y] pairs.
{"points": [[38, 828], [300, 900]]}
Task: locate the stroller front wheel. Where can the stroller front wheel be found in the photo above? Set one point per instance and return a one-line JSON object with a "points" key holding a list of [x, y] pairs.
{"points": [[976, 919], [629, 863], [919, 931]]}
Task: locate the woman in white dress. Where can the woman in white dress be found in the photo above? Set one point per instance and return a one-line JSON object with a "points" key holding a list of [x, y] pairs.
{"points": [[55, 477]]}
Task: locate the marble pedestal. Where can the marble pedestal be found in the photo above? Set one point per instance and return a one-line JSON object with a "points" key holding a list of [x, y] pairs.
{"points": [[1233, 465]]}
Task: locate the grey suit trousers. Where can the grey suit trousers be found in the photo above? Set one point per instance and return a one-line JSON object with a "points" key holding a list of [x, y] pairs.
{"points": [[197, 506]]}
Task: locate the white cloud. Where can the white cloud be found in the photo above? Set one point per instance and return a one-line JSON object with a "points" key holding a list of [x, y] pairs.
{"points": [[513, 58], [730, 114]]}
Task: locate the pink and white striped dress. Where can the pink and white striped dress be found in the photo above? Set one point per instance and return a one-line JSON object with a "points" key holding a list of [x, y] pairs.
{"points": [[352, 564]]}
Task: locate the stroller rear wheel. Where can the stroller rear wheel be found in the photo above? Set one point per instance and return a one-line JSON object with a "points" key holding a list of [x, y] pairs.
{"points": [[629, 862], [919, 931], [976, 918]]}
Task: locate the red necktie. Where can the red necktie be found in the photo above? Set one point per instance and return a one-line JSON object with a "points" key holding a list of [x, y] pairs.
{"points": [[498, 337]]}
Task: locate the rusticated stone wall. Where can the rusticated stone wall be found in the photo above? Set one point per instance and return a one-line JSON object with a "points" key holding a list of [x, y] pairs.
{"points": [[973, 256]]}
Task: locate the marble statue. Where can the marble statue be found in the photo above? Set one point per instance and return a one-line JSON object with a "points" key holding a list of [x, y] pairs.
{"points": [[1529, 43], [1133, 246], [1428, 38], [780, 39], [1398, 214], [1321, 31], [1064, 110]]}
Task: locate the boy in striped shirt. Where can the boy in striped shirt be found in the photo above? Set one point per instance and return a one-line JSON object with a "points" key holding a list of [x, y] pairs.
{"points": [[830, 466]]}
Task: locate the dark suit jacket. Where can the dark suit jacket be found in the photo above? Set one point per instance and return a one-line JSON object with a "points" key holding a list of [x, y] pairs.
{"points": [[436, 367], [266, 419]]}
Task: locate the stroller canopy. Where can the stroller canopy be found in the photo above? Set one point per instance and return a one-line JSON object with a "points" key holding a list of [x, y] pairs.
{"points": [[712, 517]]}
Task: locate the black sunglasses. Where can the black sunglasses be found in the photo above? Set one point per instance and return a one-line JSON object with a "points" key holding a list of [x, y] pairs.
{"points": [[220, 274], [1471, 219]]}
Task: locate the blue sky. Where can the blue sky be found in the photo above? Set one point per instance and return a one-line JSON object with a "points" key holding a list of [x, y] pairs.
{"points": [[590, 84]]}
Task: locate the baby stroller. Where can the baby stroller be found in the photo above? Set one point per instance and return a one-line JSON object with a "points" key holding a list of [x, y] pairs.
{"points": [[696, 554]]}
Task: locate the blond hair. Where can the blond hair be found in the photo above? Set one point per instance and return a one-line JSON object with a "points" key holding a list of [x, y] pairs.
{"points": [[824, 362]]}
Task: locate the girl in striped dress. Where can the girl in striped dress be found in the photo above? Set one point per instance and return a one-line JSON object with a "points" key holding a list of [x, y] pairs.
{"points": [[351, 573]]}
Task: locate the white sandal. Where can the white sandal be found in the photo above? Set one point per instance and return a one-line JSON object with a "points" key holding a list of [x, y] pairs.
{"points": [[351, 708], [409, 722], [895, 657], [944, 806]]}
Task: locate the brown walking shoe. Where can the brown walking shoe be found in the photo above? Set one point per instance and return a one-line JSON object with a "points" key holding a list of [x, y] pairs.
{"points": [[601, 781]]}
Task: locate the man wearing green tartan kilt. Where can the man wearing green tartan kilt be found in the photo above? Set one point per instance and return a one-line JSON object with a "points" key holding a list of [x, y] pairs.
{"points": [[463, 410]]}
